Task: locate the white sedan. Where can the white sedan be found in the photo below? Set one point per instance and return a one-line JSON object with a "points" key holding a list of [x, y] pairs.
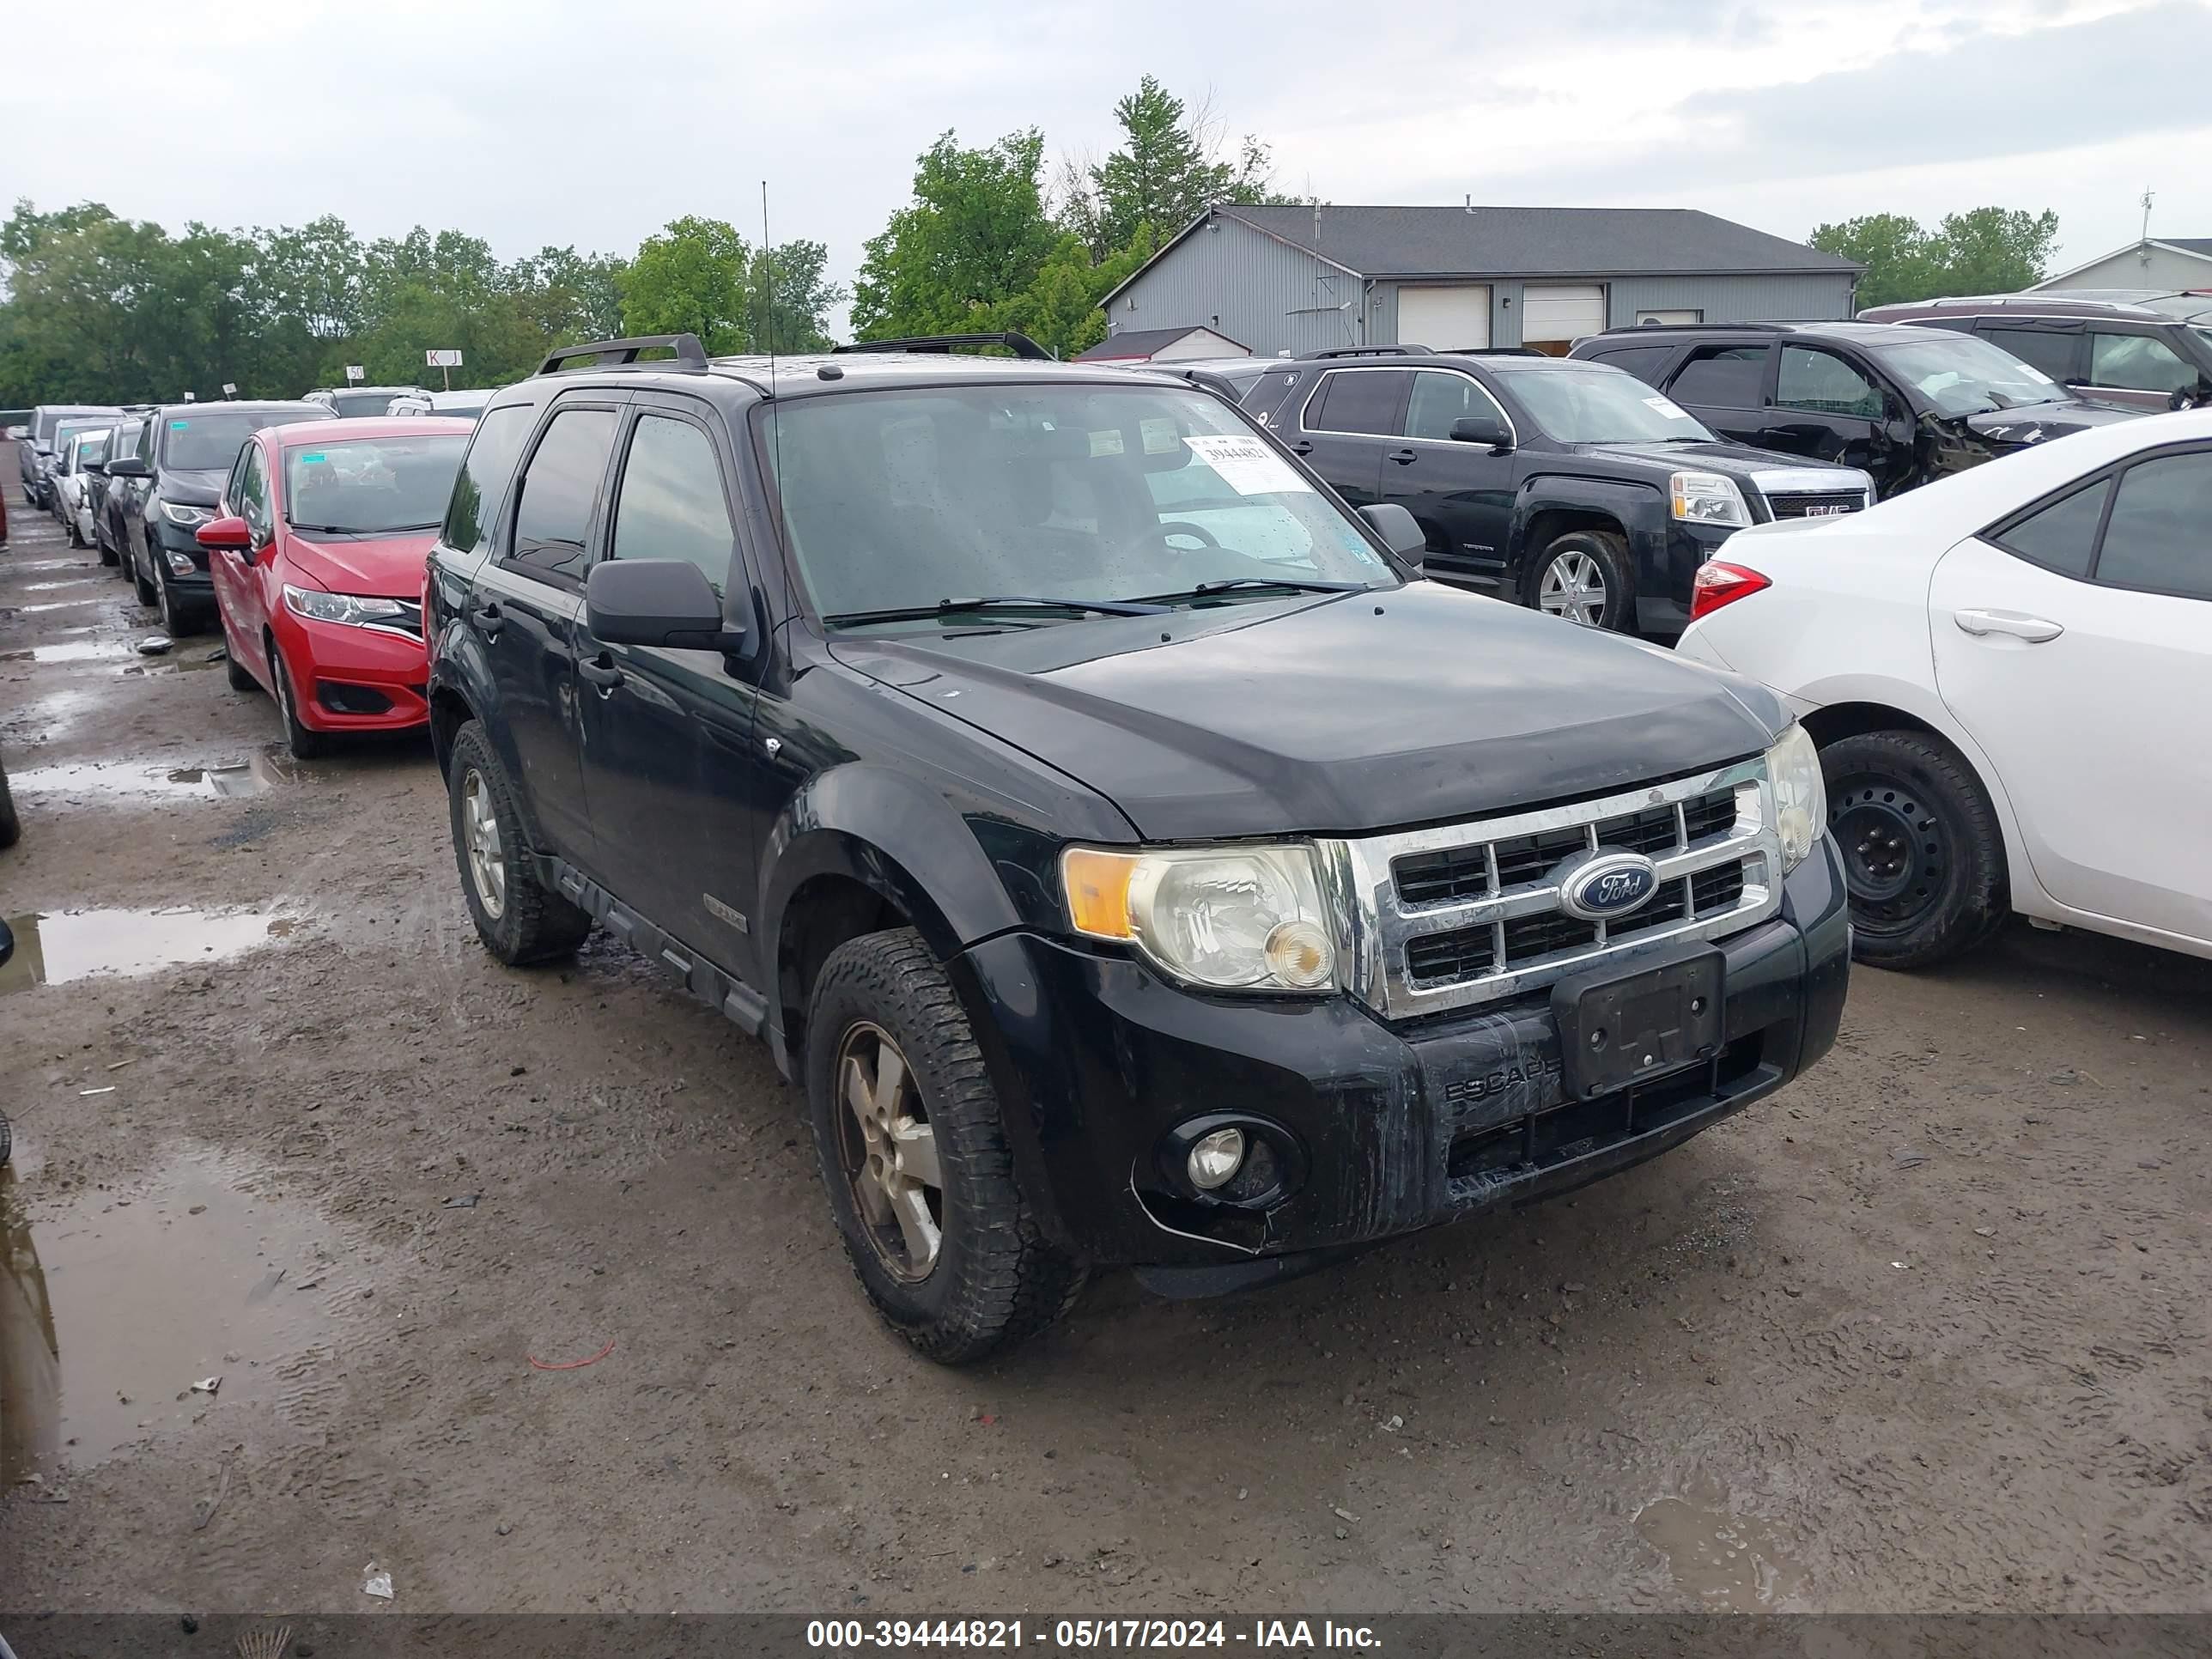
{"points": [[2010, 676]]}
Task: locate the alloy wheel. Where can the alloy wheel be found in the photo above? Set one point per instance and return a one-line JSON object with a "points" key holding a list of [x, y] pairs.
{"points": [[1574, 587], [487, 855], [888, 1153]]}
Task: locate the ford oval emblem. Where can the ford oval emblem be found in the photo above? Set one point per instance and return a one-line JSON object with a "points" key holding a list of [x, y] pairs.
{"points": [[1608, 884]]}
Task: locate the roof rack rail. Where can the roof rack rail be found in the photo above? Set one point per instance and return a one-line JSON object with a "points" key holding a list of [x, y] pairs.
{"points": [[1492, 351], [690, 354], [1020, 344], [1663, 328], [1369, 351]]}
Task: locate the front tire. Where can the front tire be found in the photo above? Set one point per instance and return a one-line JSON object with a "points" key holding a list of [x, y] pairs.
{"points": [[520, 920], [146, 593], [303, 742], [68, 523], [236, 674], [107, 548], [11, 826], [912, 1147], [1923, 856], [1585, 577]]}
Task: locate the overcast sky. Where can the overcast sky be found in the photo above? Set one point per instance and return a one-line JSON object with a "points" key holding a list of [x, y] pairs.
{"points": [[1778, 115]]}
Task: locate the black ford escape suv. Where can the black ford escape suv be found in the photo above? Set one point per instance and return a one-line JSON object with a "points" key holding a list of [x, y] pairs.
{"points": [[1566, 486], [1134, 859], [1906, 405]]}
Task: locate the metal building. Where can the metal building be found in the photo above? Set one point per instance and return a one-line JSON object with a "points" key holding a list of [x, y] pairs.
{"points": [[1302, 278]]}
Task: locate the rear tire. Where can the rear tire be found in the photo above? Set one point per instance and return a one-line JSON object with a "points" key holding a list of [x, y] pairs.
{"points": [[1585, 577], [106, 551], [11, 826], [520, 920], [990, 1279], [1923, 856], [236, 674], [68, 523], [146, 594]]}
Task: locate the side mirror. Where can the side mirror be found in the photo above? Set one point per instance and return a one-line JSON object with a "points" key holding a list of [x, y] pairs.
{"points": [[2182, 397], [1481, 430], [128, 466], [664, 602], [99, 467], [230, 533], [1398, 530]]}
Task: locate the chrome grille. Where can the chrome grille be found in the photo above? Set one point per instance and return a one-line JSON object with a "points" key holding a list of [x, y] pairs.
{"points": [[1469, 913], [1812, 505]]}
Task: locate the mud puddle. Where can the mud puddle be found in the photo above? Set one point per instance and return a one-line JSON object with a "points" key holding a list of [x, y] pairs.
{"points": [[81, 651], [74, 945], [1728, 1563], [115, 1311], [155, 782]]}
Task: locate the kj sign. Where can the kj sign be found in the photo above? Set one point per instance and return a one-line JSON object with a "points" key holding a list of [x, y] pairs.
{"points": [[442, 359]]}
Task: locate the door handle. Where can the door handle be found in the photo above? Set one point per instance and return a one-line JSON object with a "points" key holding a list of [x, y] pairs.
{"points": [[1405, 457], [486, 617], [1301, 447], [601, 670], [2015, 623]]}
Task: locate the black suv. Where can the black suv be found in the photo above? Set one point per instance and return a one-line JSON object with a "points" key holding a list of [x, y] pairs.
{"points": [[1131, 859], [1906, 404], [184, 454], [1566, 486], [2152, 355]]}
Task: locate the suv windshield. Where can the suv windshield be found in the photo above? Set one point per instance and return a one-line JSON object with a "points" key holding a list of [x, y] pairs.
{"points": [[902, 500], [371, 486], [1600, 405], [208, 443], [1963, 375], [69, 429]]}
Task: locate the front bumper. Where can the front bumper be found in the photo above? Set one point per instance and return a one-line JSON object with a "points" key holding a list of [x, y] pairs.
{"points": [[1667, 569], [1398, 1128], [342, 672]]}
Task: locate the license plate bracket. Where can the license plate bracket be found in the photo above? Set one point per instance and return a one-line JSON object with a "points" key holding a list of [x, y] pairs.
{"points": [[1617, 1029]]}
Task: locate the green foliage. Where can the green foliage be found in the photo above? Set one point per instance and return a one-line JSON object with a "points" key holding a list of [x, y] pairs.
{"points": [[699, 276], [103, 309], [1987, 250], [1166, 172], [977, 234]]}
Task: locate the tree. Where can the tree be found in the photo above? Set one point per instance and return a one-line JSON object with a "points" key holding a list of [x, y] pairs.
{"points": [[1168, 169], [1987, 250], [571, 297], [692, 278], [975, 234], [789, 298]]}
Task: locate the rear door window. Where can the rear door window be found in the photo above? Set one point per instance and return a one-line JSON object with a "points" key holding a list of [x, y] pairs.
{"points": [[672, 504], [1723, 377], [2159, 537], [2061, 536], [556, 492], [1362, 401], [2055, 351]]}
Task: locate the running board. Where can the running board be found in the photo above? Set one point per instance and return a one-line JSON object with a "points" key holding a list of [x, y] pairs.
{"points": [[744, 1007]]}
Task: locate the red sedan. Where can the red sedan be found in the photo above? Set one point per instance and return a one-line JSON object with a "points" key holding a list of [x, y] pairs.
{"points": [[317, 554]]}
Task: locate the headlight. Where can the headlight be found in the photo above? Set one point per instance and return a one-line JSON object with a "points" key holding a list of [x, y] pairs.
{"points": [[1800, 794], [348, 608], [1229, 918], [178, 513], [1707, 498]]}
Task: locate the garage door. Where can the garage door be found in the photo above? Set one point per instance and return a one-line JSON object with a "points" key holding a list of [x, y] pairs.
{"points": [[1445, 318], [1557, 314]]}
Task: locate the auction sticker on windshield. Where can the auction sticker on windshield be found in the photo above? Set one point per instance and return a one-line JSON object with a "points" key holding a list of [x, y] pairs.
{"points": [[1247, 465], [1671, 409]]}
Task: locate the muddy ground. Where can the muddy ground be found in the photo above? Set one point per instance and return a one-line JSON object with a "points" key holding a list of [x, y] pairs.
{"points": [[1930, 1330]]}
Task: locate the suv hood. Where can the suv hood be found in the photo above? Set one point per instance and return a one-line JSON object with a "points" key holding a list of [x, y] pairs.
{"points": [[2016, 428], [194, 488], [1365, 712], [1736, 461], [378, 568]]}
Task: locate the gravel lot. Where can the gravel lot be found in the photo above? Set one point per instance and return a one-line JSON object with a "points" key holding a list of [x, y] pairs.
{"points": [[1930, 1330]]}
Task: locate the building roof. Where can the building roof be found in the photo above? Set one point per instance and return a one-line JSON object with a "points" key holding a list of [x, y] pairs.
{"points": [[1532, 241], [1144, 341], [2197, 247], [2200, 246]]}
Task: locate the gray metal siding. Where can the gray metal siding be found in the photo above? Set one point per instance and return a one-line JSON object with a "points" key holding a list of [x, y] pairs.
{"points": [[1815, 296], [1249, 287], [2150, 267]]}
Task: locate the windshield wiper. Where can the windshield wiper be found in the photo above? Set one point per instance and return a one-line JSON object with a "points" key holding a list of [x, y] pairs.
{"points": [[994, 601], [1286, 584]]}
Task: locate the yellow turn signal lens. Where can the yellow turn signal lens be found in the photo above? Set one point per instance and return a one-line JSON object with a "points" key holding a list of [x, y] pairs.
{"points": [[1098, 885]]}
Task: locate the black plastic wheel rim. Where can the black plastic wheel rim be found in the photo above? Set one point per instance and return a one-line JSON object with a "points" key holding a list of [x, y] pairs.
{"points": [[1897, 849]]}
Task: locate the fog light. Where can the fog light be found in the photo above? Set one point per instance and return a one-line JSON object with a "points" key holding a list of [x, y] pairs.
{"points": [[1214, 1158], [180, 563]]}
